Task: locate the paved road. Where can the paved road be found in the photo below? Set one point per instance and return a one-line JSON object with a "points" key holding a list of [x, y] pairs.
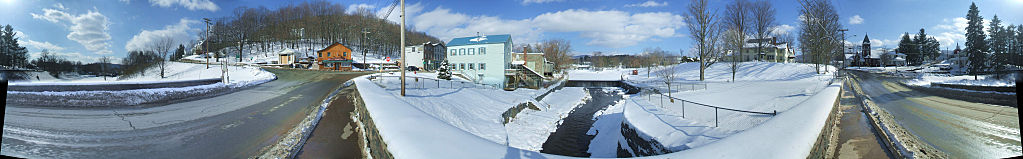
{"points": [[234, 125], [962, 129], [856, 138]]}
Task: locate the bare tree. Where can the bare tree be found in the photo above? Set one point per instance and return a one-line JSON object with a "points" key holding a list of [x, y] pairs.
{"points": [[162, 46], [668, 74], [703, 29], [763, 23], [103, 62], [819, 36], [737, 20]]}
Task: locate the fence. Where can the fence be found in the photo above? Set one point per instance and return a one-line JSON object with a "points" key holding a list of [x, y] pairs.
{"points": [[422, 83], [679, 86], [650, 92]]}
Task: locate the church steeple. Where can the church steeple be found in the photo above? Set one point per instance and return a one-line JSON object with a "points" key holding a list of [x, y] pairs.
{"points": [[866, 39]]}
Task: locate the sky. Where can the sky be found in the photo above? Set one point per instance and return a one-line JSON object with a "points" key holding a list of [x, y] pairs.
{"points": [[89, 30]]}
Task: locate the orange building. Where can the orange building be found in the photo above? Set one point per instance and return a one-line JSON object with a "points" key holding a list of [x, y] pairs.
{"points": [[335, 57]]}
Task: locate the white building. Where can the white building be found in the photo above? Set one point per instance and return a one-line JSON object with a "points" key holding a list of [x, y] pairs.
{"points": [[483, 58], [414, 56]]}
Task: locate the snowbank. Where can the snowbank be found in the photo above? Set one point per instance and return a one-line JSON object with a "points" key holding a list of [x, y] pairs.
{"points": [[413, 132], [240, 76], [790, 134]]}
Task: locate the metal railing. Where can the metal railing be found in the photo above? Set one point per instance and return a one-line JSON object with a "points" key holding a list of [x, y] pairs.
{"points": [[426, 83], [653, 91]]}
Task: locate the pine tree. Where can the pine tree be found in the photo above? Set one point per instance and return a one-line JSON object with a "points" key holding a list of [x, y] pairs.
{"points": [[976, 47], [11, 53], [178, 53], [908, 46], [443, 72], [919, 42], [1018, 61], [997, 43]]}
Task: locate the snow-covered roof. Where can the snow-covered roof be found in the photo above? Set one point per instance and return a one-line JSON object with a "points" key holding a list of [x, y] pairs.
{"points": [[287, 52], [486, 39]]}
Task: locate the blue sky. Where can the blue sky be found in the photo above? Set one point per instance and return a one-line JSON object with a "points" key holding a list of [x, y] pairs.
{"points": [[87, 30]]}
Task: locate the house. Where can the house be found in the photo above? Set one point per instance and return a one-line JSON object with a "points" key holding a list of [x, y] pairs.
{"points": [[334, 57], [481, 58], [532, 69], [414, 56], [767, 49], [426, 56], [287, 57], [893, 59]]}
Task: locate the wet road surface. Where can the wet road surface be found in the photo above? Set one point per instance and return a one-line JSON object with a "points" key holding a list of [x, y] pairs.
{"points": [[233, 125], [961, 129], [570, 138], [336, 136], [856, 138]]}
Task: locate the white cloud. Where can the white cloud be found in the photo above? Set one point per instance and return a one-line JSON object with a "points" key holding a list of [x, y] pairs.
{"points": [[89, 29], [125, 1], [615, 29], [190, 4], [951, 31], [355, 7], [526, 2], [650, 3], [856, 19], [42, 45], [782, 29], [178, 32]]}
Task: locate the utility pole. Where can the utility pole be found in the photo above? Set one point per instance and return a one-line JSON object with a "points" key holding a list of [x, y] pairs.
{"points": [[842, 53], [206, 42], [364, 50], [402, 63]]}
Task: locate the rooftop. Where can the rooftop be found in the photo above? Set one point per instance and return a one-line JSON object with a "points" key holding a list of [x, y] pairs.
{"points": [[485, 39]]}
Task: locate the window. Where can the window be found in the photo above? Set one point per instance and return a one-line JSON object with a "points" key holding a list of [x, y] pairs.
{"points": [[328, 54], [471, 66], [483, 66], [483, 51], [461, 66], [472, 51], [453, 52], [461, 51]]}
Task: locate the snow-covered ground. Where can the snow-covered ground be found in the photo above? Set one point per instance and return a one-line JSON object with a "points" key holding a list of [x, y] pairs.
{"points": [[925, 76], [453, 121], [478, 109], [175, 71], [760, 87], [239, 76]]}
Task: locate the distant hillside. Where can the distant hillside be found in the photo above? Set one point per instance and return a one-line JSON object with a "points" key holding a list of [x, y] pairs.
{"points": [[309, 23]]}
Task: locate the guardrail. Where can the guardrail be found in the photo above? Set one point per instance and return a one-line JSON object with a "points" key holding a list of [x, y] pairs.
{"points": [[109, 86], [716, 108], [424, 82]]}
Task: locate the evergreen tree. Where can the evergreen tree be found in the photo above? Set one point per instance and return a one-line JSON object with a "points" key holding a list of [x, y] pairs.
{"points": [[11, 53], [976, 47], [178, 54], [908, 47], [919, 42], [997, 43], [443, 72], [1018, 40]]}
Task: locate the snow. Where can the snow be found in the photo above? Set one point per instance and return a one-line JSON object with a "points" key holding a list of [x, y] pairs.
{"points": [[530, 128], [411, 131], [175, 71], [983, 80], [253, 54], [464, 121], [762, 87]]}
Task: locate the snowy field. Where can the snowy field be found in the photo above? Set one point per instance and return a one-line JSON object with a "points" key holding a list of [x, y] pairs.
{"points": [[239, 76], [449, 120], [760, 87], [478, 109]]}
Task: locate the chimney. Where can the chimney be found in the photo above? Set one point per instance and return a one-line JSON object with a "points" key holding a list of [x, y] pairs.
{"points": [[525, 57]]}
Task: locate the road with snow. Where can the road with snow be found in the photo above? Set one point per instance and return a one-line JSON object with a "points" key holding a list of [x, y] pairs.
{"points": [[962, 129], [234, 125]]}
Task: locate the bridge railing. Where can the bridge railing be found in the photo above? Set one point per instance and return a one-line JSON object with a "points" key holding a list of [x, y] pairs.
{"points": [[652, 93]]}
